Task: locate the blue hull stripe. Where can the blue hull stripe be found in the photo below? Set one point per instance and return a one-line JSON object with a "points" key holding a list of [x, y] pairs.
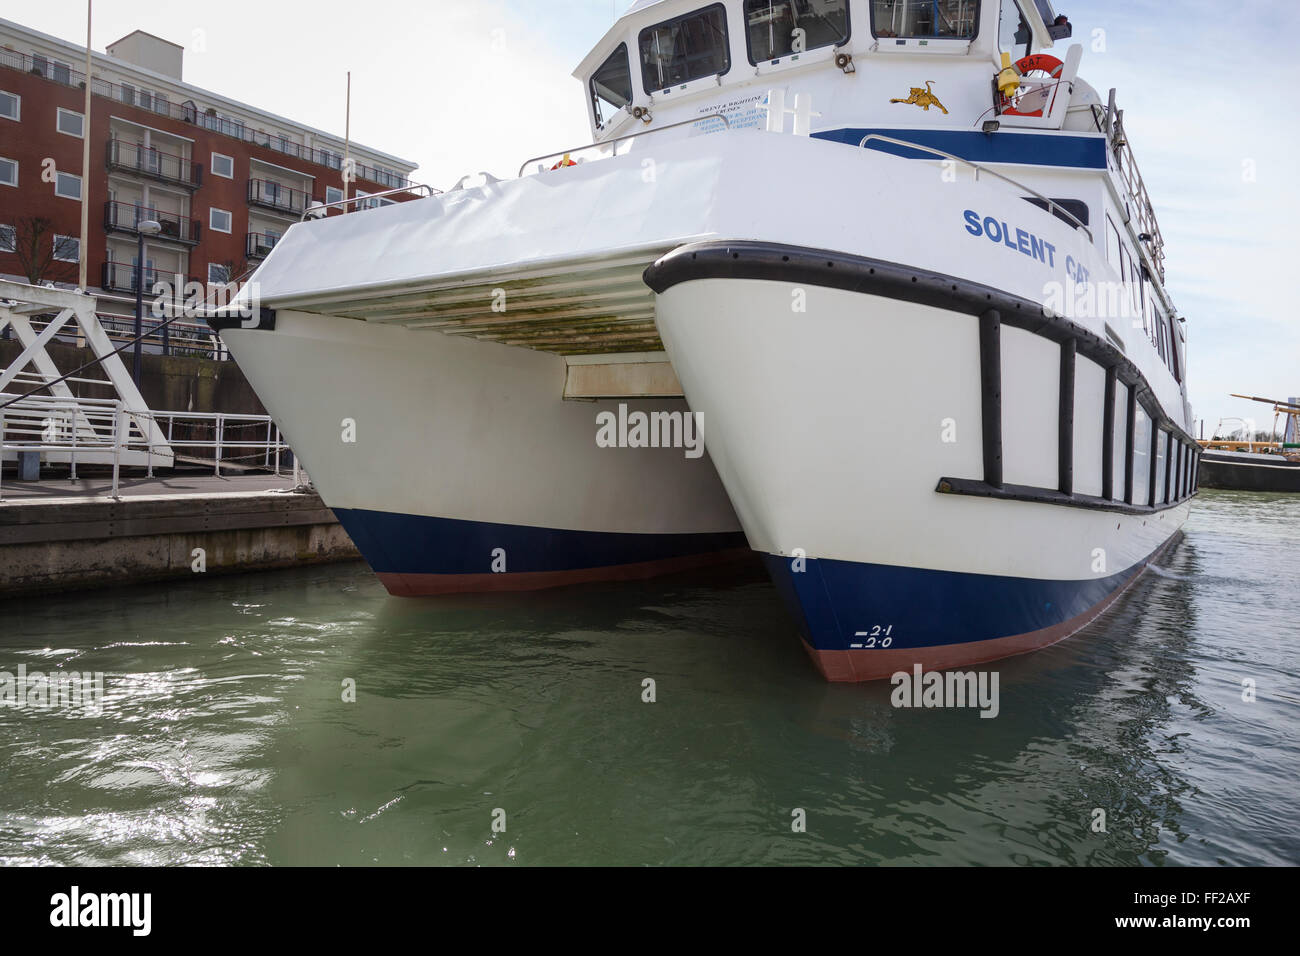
{"points": [[416, 544], [920, 608], [1044, 149]]}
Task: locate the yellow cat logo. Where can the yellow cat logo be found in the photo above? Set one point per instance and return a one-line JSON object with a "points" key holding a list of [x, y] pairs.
{"points": [[923, 98]]}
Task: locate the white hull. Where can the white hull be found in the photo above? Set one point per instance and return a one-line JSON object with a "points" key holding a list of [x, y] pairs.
{"points": [[396, 426]]}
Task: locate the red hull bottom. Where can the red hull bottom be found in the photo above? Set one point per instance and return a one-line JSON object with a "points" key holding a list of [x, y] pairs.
{"points": [[423, 585], [865, 665]]}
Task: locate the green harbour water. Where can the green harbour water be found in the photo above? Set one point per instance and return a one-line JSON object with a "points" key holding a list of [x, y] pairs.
{"points": [[224, 737]]}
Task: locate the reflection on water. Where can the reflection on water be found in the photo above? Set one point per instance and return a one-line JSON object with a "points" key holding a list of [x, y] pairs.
{"points": [[224, 737]]}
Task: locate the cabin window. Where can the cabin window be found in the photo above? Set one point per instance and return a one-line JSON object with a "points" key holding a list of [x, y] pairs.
{"points": [[1141, 457], [1173, 347], [1135, 296], [777, 28], [685, 48], [611, 86], [926, 19], [1112, 242], [1013, 32], [1125, 290], [1162, 468]]}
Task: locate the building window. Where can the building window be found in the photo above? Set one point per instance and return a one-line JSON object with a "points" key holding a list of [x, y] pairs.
{"points": [[218, 220], [70, 123], [67, 248], [127, 92], [333, 194], [685, 48], [67, 185], [926, 19], [11, 106], [8, 172], [62, 73], [8, 239], [218, 274], [777, 28], [223, 166]]}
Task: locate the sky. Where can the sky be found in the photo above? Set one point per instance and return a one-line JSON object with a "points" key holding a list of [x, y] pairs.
{"points": [[481, 85]]}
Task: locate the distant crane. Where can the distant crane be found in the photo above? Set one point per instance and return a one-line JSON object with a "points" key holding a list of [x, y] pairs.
{"points": [[1291, 413]]}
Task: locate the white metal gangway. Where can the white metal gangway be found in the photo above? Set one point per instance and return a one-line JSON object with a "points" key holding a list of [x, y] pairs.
{"points": [[33, 375]]}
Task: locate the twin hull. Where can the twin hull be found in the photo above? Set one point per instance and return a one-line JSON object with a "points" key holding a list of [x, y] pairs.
{"points": [[831, 412]]}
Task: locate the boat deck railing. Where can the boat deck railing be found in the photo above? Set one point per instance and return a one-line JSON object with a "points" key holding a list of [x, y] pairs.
{"points": [[1054, 208], [1111, 122], [618, 139], [316, 210]]}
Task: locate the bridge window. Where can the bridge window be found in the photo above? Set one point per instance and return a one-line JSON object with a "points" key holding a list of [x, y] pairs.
{"points": [[1013, 32], [925, 19], [685, 48], [611, 86], [777, 28]]}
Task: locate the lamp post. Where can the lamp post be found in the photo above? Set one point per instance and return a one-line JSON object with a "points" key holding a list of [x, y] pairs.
{"points": [[146, 227]]}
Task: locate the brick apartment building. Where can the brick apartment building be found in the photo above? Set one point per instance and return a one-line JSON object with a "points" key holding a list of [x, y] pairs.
{"points": [[224, 179]]}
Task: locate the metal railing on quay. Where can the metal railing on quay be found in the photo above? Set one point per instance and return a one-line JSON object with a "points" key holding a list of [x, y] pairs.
{"points": [[104, 431]]}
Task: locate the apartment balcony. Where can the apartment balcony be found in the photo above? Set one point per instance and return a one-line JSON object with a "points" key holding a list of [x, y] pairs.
{"points": [[148, 163], [271, 195], [122, 276], [258, 245], [126, 217]]}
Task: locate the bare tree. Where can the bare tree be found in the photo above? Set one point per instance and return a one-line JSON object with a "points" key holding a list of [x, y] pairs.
{"points": [[38, 250]]}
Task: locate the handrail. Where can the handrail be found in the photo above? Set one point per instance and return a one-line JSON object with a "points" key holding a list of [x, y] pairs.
{"points": [[53, 424], [620, 139], [186, 229], [319, 207], [1052, 207]]}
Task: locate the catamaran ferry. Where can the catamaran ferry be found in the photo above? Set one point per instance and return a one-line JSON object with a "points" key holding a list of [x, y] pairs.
{"points": [[893, 256]]}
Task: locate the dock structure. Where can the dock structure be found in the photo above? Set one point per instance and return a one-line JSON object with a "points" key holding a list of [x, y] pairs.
{"points": [[60, 535]]}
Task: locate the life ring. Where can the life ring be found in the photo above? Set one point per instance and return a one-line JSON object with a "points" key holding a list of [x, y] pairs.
{"points": [[1038, 63], [566, 161]]}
